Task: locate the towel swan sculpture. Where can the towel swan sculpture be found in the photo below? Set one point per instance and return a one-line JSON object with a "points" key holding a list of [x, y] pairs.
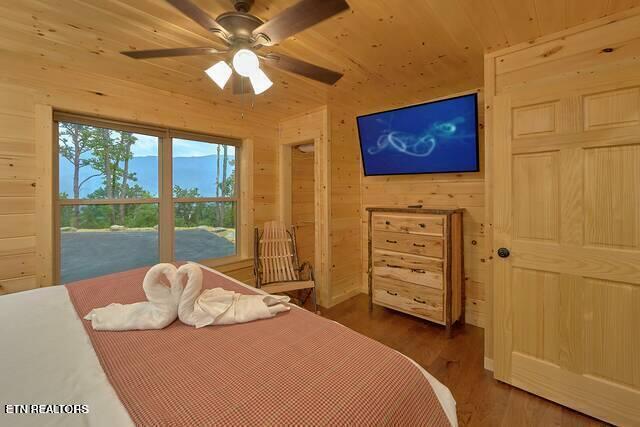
{"points": [[159, 311], [218, 306], [187, 302]]}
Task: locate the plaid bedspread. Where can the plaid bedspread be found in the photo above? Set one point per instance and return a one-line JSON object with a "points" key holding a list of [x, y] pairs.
{"points": [[294, 369]]}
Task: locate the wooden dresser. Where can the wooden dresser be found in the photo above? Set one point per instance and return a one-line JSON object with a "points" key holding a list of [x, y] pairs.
{"points": [[416, 262]]}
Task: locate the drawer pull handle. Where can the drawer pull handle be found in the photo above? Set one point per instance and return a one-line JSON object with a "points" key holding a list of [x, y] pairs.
{"points": [[419, 246], [419, 301], [394, 266], [422, 225], [387, 223], [392, 241], [395, 294], [418, 270]]}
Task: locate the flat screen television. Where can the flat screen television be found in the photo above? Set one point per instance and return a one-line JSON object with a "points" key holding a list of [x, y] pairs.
{"points": [[434, 137]]}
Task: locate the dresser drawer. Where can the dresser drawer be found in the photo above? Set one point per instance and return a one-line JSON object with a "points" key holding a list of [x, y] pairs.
{"points": [[408, 268], [418, 244], [414, 224], [413, 299]]}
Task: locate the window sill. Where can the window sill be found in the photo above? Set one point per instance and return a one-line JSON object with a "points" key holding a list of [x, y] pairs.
{"points": [[228, 264]]}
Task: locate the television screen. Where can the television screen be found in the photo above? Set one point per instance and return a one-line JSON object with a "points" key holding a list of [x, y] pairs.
{"points": [[436, 137]]}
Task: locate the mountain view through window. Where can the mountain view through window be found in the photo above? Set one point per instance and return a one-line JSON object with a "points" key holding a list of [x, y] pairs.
{"points": [[109, 200]]}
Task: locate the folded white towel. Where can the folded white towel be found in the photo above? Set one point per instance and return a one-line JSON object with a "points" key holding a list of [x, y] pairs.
{"points": [[159, 311], [221, 307], [186, 307], [228, 307]]}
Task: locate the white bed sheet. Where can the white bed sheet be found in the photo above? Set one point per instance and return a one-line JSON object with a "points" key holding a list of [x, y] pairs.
{"points": [[46, 357]]}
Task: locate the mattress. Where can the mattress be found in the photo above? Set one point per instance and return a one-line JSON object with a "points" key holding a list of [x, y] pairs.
{"points": [[47, 359]]}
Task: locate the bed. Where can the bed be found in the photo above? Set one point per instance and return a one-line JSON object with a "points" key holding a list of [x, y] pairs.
{"points": [[297, 368]]}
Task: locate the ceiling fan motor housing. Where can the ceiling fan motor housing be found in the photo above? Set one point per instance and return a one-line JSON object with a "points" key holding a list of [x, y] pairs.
{"points": [[240, 25]]}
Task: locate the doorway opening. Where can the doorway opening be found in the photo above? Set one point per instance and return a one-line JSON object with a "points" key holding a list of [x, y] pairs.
{"points": [[303, 200]]}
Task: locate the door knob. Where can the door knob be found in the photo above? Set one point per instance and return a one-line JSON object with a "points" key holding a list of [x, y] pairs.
{"points": [[503, 252]]}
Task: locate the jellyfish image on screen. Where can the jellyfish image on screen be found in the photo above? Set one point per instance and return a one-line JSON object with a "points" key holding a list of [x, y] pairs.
{"points": [[418, 145], [435, 137]]}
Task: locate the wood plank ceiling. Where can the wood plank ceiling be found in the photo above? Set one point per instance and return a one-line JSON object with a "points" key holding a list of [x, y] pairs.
{"points": [[386, 47]]}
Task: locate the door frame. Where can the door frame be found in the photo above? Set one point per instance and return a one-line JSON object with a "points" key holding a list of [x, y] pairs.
{"points": [[309, 127]]}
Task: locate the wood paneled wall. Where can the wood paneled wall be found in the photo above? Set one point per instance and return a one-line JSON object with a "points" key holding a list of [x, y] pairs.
{"points": [[310, 127], [24, 84], [346, 255], [442, 191], [302, 203], [352, 193], [17, 190], [339, 167]]}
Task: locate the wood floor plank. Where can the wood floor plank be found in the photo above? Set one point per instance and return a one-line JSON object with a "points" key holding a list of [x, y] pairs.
{"points": [[459, 364]]}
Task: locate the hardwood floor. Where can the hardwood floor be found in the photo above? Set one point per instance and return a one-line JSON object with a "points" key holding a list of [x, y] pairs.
{"points": [[457, 363]]}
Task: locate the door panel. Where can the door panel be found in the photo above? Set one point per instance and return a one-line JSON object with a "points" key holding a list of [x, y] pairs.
{"points": [[612, 109], [533, 120], [611, 195], [567, 205], [609, 353], [536, 196], [536, 313]]}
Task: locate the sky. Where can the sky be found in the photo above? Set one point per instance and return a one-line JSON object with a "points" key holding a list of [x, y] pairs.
{"points": [[148, 146]]}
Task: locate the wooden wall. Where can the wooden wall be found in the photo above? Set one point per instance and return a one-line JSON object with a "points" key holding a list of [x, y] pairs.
{"points": [[17, 190], [446, 191], [25, 83], [302, 203], [310, 127], [338, 163], [352, 193], [346, 255]]}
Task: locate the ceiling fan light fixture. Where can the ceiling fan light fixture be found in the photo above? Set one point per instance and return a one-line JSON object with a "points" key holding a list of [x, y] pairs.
{"points": [[243, 32], [220, 73], [245, 62], [260, 81]]}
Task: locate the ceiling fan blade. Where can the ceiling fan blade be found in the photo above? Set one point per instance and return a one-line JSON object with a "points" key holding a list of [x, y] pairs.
{"points": [[298, 17], [303, 68], [201, 17], [164, 53], [241, 85]]}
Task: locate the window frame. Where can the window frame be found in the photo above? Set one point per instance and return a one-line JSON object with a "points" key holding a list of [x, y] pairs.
{"points": [[196, 137], [164, 200]]}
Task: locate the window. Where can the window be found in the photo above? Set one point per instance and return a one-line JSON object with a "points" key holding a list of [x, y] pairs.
{"points": [[111, 197], [204, 199]]}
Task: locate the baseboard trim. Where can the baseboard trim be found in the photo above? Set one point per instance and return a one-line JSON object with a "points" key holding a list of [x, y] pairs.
{"points": [[344, 296], [488, 364]]}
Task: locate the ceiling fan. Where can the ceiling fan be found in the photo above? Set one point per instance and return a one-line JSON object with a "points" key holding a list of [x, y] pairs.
{"points": [[245, 34]]}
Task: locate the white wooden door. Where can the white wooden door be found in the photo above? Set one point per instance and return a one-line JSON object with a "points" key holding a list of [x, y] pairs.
{"points": [[567, 207]]}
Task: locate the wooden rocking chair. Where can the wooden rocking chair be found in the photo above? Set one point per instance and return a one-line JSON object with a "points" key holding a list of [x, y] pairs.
{"points": [[276, 265]]}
